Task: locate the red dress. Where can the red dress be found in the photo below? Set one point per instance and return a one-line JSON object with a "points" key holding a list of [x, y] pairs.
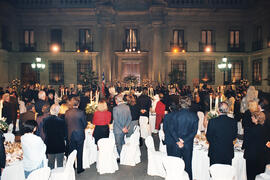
{"points": [[160, 112], [102, 121]]}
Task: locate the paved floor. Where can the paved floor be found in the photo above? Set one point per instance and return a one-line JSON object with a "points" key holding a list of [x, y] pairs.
{"points": [[125, 172]]}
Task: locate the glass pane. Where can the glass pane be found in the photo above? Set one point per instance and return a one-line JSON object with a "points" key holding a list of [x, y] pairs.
{"points": [[209, 37], [175, 37], [231, 37], [204, 37], [237, 41], [32, 37], [26, 37]]}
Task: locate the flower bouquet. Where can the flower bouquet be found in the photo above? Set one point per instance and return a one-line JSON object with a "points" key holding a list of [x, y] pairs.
{"points": [[91, 108], [212, 114], [3, 125]]}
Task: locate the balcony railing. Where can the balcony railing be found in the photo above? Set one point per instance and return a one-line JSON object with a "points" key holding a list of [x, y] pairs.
{"points": [[131, 46], [208, 3], [7, 45], [53, 46], [207, 47], [85, 46], [180, 46], [257, 45], [236, 47], [28, 47]]}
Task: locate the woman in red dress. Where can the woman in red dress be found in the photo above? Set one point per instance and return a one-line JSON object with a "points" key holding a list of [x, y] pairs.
{"points": [[101, 120], [160, 111]]}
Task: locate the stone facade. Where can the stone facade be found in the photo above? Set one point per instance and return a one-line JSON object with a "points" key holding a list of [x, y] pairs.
{"points": [[154, 20]]}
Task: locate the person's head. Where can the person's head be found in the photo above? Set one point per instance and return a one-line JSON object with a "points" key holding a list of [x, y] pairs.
{"points": [[64, 99], [54, 110], [50, 96], [102, 105], [119, 99], [161, 96], [132, 100], [185, 102], [75, 102], [223, 108], [126, 98], [42, 95], [87, 93], [30, 126], [145, 91], [46, 108], [30, 107], [6, 97]]}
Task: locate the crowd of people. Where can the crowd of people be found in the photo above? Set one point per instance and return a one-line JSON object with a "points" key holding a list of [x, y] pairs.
{"points": [[52, 122]]}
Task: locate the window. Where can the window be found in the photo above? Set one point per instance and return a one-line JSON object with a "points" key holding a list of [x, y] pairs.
{"points": [[56, 72], [132, 39], [207, 37], [29, 38], [234, 38], [257, 72], [82, 67], [207, 71], [178, 37], [237, 71], [56, 36], [84, 36], [181, 66]]}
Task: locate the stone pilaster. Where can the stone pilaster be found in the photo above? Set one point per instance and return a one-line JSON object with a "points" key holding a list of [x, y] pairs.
{"points": [[157, 52]]}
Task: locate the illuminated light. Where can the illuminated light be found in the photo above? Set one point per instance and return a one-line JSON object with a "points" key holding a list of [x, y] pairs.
{"points": [[175, 50], [229, 65], [38, 59], [183, 51], [43, 66], [39, 65], [55, 48], [129, 50], [78, 51], [133, 49], [126, 50], [208, 49], [139, 51], [86, 51], [269, 44], [33, 65], [224, 59]]}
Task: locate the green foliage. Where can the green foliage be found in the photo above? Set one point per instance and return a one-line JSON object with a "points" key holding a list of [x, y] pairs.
{"points": [[131, 80], [89, 79], [176, 77]]}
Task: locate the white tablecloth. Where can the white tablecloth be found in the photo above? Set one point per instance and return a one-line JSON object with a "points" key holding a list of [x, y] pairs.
{"points": [[13, 172], [201, 163]]}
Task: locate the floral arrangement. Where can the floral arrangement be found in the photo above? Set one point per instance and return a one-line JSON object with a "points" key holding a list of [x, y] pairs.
{"points": [[212, 114], [91, 108], [3, 125]]}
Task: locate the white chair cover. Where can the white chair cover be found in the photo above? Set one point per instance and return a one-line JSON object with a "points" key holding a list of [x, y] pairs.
{"points": [[200, 124], [174, 167], [131, 153], [106, 161], [155, 166], [10, 128], [22, 107], [89, 150], [161, 135], [40, 174], [111, 136], [9, 137], [65, 173], [222, 172], [145, 127]]}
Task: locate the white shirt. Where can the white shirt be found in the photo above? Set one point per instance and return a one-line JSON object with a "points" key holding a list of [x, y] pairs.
{"points": [[34, 151]]}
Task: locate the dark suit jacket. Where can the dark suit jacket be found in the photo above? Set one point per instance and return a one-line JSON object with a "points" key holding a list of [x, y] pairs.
{"points": [[55, 134], [29, 115], [144, 102], [38, 106], [76, 122], [40, 122], [221, 132], [7, 112], [2, 153], [83, 103], [181, 124]]}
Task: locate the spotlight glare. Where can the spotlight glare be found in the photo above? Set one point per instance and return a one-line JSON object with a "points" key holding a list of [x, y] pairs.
{"points": [[55, 48]]}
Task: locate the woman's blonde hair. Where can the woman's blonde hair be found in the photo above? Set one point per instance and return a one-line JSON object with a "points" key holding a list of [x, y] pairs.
{"points": [[253, 106], [102, 106]]}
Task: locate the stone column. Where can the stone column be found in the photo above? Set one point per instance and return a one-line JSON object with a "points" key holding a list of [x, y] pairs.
{"points": [[157, 51], [106, 52]]}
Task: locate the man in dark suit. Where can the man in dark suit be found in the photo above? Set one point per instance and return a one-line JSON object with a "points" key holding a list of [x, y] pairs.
{"points": [[14, 107], [2, 154], [76, 123], [144, 102], [84, 100], [221, 132], [40, 102], [28, 115], [180, 128]]}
